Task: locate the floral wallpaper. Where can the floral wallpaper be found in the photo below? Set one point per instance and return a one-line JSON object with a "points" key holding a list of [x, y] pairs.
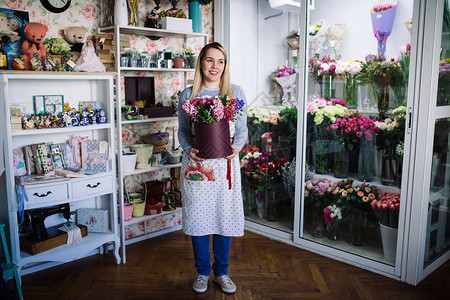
{"points": [[88, 13]]}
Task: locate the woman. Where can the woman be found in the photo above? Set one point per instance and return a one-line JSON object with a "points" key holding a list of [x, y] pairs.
{"points": [[210, 207]]}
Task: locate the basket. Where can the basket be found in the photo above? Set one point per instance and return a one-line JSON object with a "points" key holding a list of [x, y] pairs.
{"points": [[127, 211], [153, 209], [157, 139], [138, 209], [159, 149]]}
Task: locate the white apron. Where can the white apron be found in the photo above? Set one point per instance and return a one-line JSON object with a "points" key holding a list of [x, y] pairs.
{"points": [[209, 206]]}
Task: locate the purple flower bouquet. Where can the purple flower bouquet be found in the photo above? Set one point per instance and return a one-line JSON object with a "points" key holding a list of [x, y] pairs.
{"points": [[383, 16]]}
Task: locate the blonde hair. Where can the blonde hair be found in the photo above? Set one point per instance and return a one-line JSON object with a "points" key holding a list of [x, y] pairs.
{"points": [[224, 85]]}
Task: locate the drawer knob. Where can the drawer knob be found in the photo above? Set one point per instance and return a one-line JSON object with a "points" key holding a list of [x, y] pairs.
{"points": [[42, 195], [93, 186]]}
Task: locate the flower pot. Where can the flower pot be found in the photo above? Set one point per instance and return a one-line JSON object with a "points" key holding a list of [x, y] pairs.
{"points": [[128, 162], [212, 139], [178, 63], [389, 241], [144, 155], [195, 14]]}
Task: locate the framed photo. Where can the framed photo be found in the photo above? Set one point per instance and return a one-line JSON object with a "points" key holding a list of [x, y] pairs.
{"points": [[57, 59], [48, 104]]}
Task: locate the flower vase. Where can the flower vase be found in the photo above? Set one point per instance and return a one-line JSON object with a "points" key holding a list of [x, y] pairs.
{"points": [[249, 197], [383, 97], [357, 220], [272, 203], [318, 221], [389, 167], [120, 13], [322, 157], [195, 14], [389, 241], [340, 161], [367, 159], [192, 61], [260, 201], [326, 83], [332, 230], [350, 91]]}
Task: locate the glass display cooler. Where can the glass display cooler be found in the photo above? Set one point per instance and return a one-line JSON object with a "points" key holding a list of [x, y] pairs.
{"points": [[348, 150]]}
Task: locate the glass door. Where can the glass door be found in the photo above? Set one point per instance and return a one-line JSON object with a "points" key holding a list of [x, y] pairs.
{"points": [[430, 242], [354, 112], [263, 55]]}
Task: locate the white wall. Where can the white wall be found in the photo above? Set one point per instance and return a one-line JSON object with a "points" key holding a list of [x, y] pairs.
{"points": [[359, 39]]}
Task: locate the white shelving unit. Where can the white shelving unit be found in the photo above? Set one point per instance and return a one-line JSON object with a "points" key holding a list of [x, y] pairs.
{"points": [[96, 191], [121, 72]]}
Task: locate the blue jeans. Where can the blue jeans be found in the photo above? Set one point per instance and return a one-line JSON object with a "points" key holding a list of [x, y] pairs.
{"points": [[221, 249]]}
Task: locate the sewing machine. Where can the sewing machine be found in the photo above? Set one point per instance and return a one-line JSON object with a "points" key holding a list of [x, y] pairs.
{"points": [[34, 226], [37, 238]]}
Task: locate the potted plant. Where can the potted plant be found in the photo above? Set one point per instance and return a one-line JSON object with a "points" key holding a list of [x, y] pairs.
{"points": [[195, 13]]}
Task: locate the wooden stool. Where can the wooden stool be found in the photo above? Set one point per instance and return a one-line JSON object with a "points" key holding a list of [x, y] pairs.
{"points": [[9, 269]]}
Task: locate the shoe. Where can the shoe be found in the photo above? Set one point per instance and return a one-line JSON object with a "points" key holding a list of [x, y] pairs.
{"points": [[225, 283], [200, 284]]}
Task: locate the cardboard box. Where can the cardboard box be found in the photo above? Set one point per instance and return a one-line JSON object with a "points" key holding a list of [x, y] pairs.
{"points": [[176, 24], [96, 220]]}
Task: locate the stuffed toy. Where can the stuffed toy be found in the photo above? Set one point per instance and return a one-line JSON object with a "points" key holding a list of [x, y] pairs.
{"points": [[35, 33], [74, 35]]}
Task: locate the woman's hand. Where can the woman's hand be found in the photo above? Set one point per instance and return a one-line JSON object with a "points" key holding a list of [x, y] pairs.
{"points": [[235, 152], [193, 154]]}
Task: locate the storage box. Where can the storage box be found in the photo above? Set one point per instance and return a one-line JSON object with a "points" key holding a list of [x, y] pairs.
{"points": [[96, 220], [158, 111], [176, 24]]}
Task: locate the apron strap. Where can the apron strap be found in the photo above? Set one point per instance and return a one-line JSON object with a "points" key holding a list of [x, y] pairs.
{"points": [[229, 173]]}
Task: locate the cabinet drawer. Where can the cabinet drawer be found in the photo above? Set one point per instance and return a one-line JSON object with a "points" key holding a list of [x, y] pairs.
{"points": [[92, 186], [46, 193]]}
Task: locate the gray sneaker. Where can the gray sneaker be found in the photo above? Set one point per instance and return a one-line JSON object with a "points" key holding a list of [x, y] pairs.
{"points": [[201, 283], [225, 283]]}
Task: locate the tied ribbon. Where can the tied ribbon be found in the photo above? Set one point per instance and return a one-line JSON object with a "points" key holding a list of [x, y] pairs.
{"points": [[229, 173], [159, 136], [381, 37]]}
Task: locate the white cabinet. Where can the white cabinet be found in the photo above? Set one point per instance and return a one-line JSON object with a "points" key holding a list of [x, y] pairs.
{"points": [[124, 72], [97, 191]]}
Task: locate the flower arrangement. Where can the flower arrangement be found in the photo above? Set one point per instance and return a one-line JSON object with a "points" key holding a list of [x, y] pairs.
{"points": [[390, 132], [355, 198], [386, 209], [57, 46], [213, 109], [264, 169], [332, 213], [321, 191], [353, 128], [335, 36], [444, 83], [284, 71], [320, 108], [377, 70], [320, 66], [258, 114], [350, 70]]}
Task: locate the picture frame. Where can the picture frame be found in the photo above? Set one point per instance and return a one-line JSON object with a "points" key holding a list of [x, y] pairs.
{"points": [[57, 59], [48, 104]]}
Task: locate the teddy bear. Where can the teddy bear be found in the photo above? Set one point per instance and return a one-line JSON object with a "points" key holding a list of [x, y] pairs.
{"points": [[74, 35], [35, 33]]}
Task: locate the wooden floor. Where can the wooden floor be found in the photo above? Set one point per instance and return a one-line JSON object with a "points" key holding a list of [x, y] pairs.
{"points": [[162, 268]]}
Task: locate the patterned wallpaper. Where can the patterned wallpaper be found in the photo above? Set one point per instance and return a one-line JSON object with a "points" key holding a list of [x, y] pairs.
{"points": [[88, 13]]}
